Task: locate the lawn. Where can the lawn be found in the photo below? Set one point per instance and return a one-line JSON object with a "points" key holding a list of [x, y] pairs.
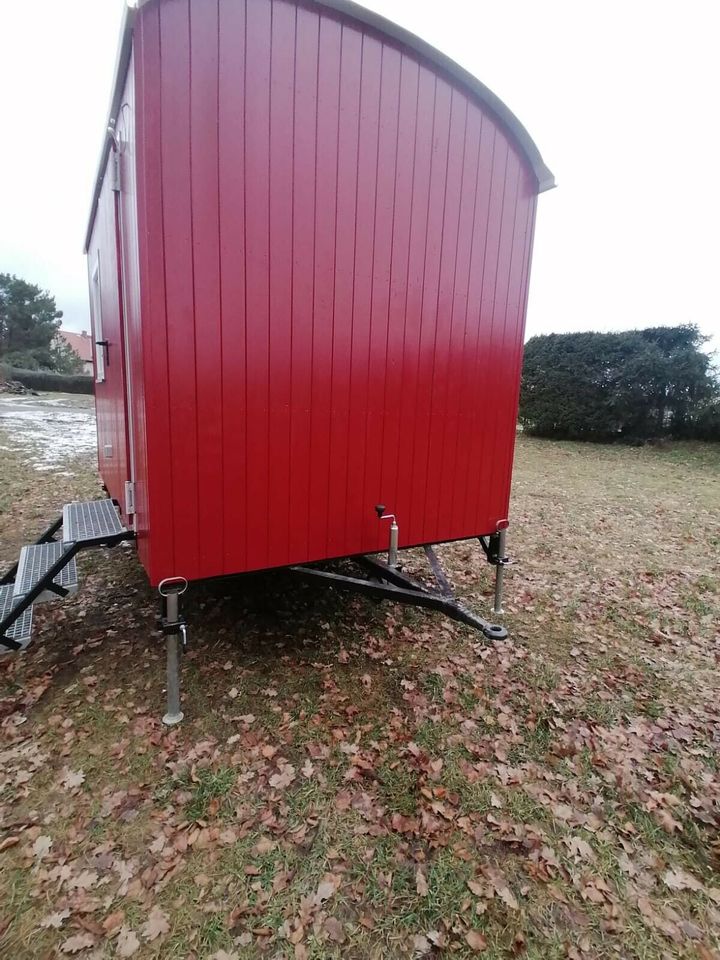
{"points": [[359, 780]]}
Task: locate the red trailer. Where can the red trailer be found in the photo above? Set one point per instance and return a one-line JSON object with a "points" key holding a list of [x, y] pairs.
{"points": [[309, 249]]}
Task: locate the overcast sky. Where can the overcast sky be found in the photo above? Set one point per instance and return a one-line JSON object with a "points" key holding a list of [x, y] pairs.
{"points": [[621, 98]]}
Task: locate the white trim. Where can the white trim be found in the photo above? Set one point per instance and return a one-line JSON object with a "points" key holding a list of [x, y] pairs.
{"points": [[96, 316]]}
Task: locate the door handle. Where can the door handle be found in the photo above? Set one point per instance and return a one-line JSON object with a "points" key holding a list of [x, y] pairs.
{"points": [[105, 344]]}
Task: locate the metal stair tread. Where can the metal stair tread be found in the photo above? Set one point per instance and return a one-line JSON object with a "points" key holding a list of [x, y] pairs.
{"points": [[35, 561], [21, 630], [91, 520]]}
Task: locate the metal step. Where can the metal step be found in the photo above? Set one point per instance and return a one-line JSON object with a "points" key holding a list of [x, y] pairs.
{"points": [[92, 521], [21, 630], [34, 563]]}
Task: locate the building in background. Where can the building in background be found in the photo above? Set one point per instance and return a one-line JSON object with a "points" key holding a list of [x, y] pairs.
{"points": [[81, 344]]}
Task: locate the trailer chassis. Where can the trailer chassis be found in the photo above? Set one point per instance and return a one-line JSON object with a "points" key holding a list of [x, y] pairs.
{"points": [[390, 582]]}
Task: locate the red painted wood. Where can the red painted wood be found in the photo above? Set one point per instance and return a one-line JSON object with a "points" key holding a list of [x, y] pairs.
{"points": [[325, 225], [205, 213], [231, 163], [345, 245], [302, 159], [334, 247], [158, 551]]}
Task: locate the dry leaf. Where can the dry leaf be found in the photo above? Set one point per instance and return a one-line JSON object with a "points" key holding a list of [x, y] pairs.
{"points": [[335, 930], [580, 848], [157, 924], [284, 778], [113, 921], [41, 847], [72, 779], [476, 941], [421, 945], [324, 891], [85, 881], [55, 920], [681, 880], [264, 845], [81, 941], [421, 884], [127, 943]]}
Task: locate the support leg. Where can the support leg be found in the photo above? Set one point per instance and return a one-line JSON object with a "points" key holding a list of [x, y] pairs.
{"points": [[500, 575], [173, 714], [173, 625]]}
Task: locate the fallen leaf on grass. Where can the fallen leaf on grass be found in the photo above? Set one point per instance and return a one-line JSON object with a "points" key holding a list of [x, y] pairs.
{"points": [[41, 847], [81, 941], [579, 848], [681, 880], [499, 885], [224, 955], [335, 930], [421, 884], [421, 945], [113, 921], [324, 891], [85, 881], [476, 941], [55, 920], [157, 924], [8, 842], [127, 943], [667, 822], [479, 889], [72, 779], [284, 778], [264, 845]]}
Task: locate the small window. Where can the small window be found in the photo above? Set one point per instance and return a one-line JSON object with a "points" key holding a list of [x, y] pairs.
{"points": [[96, 311]]}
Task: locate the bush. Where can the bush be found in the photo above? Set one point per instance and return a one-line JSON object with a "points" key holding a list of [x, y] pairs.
{"points": [[707, 424], [618, 386], [45, 380]]}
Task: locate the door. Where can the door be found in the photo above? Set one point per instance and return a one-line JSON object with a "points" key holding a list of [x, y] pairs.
{"points": [[106, 314], [127, 233]]}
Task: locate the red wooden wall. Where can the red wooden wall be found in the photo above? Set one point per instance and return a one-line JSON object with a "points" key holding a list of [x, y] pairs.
{"points": [[334, 252]]}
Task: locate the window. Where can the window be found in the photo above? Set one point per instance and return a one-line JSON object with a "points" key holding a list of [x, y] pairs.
{"points": [[96, 311]]}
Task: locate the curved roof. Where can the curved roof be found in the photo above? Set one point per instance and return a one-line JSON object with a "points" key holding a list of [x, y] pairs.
{"points": [[385, 27], [507, 119]]}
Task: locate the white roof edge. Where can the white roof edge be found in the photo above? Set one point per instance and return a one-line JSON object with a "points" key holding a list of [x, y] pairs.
{"points": [[504, 115], [122, 58]]}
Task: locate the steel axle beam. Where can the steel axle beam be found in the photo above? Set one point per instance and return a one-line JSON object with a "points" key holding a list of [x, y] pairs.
{"points": [[390, 583]]}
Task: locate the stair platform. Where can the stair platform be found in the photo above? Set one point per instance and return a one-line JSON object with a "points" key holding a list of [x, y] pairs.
{"points": [[47, 569], [34, 563], [21, 630], [92, 522]]}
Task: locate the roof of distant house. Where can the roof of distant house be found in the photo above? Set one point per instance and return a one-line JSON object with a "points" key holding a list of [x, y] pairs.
{"points": [[81, 343]]}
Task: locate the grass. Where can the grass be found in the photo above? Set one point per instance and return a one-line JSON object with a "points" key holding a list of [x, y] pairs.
{"points": [[353, 776], [212, 787]]}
